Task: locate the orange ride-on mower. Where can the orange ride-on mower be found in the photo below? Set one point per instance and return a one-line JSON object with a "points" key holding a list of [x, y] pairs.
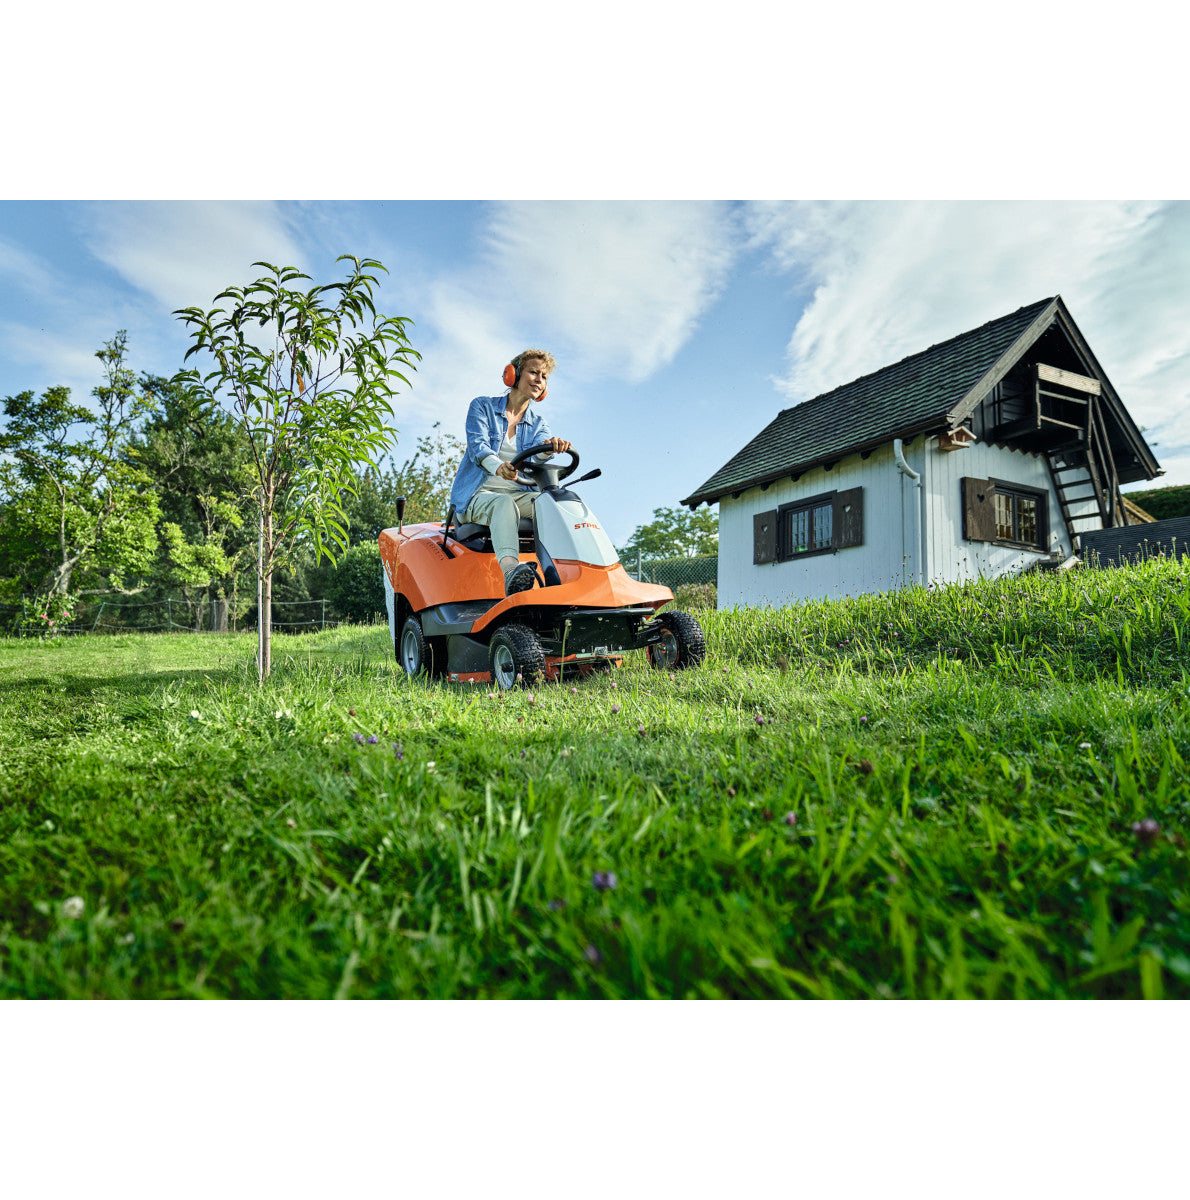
{"points": [[450, 618]]}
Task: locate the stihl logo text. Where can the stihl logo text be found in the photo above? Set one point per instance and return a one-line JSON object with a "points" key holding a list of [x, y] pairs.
{"points": [[586, 525]]}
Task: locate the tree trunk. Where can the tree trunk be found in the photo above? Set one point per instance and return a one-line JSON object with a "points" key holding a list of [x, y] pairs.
{"points": [[264, 608], [219, 615]]}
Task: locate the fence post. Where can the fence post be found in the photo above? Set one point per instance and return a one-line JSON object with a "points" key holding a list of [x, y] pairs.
{"points": [[169, 614], [324, 614], [98, 615]]}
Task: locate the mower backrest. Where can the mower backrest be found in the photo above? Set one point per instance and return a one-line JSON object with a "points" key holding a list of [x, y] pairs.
{"points": [[479, 537]]}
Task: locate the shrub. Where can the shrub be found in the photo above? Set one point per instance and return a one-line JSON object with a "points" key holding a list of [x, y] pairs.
{"points": [[357, 585]]}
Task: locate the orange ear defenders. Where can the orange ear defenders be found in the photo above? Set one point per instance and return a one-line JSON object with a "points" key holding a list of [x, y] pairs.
{"points": [[511, 375]]}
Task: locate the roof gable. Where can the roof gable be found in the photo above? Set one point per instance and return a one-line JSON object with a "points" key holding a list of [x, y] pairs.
{"points": [[930, 390]]}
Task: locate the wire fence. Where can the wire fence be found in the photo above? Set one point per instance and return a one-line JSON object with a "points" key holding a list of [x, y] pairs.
{"points": [[167, 615], [676, 572], [174, 614]]}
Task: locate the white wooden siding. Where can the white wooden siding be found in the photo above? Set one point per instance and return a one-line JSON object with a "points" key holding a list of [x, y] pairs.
{"points": [[950, 559], [893, 506], [877, 565]]}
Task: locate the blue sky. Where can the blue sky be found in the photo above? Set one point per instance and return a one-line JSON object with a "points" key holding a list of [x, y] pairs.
{"points": [[680, 327]]}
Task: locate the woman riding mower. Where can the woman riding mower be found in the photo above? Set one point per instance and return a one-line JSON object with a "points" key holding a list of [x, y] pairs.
{"points": [[499, 428]]}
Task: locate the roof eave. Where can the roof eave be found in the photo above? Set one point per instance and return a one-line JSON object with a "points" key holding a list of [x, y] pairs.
{"points": [[934, 424]]}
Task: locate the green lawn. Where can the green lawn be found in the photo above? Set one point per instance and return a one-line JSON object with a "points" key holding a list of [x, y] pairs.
{"points": [[979, 792]]}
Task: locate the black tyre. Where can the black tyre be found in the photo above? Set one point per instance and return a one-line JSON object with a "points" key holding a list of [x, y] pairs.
{"points": [[515, 656], [681, 645], [413, 651]]}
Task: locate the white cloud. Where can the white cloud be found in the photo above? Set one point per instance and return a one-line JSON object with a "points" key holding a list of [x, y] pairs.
{"points": [[625, 283], [612, 288], [890, 279], [184, 253]]}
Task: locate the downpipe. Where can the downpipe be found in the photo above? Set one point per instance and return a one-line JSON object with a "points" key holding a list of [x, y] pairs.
{"points": [[915, 477]]}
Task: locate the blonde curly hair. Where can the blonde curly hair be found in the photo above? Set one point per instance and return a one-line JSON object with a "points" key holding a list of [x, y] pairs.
{"points": [[519, 361]]}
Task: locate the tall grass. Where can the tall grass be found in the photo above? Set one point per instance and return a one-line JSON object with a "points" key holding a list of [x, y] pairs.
{"points": [[979, 791]]}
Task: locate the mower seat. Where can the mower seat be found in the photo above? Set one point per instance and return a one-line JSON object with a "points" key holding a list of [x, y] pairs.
{"points": [[479, 537]]}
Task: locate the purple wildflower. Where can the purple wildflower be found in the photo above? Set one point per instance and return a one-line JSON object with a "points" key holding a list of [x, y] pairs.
{"points": [[641, 730], [791, 818], [604, 881], [615, 710], [556, 905], [359, 737], [373, 740], [759, 719], [864, 720], [592, 955], [398, 750]]}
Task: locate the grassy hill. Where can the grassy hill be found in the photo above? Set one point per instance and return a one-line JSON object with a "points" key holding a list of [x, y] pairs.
{"points": [[981, 791]]}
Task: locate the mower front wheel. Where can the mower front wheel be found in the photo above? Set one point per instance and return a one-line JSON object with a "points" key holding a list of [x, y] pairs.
{"points": [[516, 656], [682, 644]]}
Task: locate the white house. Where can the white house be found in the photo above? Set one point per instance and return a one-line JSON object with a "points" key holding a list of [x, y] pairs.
{"points": [[982, 455]]}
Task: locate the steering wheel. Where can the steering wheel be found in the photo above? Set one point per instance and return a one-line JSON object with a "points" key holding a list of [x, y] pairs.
{"points": [[564, 473]]}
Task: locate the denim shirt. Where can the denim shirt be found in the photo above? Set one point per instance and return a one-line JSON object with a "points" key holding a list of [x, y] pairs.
{"points": [[487, 427]]}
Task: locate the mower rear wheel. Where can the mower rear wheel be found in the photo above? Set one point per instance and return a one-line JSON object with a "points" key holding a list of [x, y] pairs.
{"points": [[413, 652], [516, 656], [681, 645]]}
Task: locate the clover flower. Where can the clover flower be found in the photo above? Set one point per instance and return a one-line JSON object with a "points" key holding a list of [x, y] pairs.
{"points": [[372, 740], [74, 907], [615, 710], [603, 881], [790, 818]]}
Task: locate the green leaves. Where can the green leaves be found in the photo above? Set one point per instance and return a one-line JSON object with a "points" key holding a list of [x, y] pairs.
{"points": [[312, 397]]}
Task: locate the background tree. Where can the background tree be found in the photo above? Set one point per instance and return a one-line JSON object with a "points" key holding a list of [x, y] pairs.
{"points": [[199, 461], [674, 533], [74, 502], [312, 400]]}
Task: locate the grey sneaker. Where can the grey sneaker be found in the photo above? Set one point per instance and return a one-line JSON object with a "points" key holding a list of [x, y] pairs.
{"points": [[519, 580]]}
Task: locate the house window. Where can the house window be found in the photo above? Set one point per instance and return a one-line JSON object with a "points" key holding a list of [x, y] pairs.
{"points": [[1016, 517], [805, 528], [816, 525], [1008, 514]]}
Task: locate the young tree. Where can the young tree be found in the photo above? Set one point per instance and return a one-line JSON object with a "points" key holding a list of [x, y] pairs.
{"points": [[312, 399], [70, 486]]}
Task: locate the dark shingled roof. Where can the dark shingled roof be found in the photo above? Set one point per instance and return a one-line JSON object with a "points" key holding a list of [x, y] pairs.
{"points": [[914, 395]]}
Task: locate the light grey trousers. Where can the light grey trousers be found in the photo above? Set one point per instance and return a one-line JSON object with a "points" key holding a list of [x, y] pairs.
{"points": [[501, 512]]}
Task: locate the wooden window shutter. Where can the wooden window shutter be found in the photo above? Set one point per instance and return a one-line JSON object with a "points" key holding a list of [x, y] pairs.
{"points": [[764, 537], [847, 520], [979, 510], [1043, 522]]}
